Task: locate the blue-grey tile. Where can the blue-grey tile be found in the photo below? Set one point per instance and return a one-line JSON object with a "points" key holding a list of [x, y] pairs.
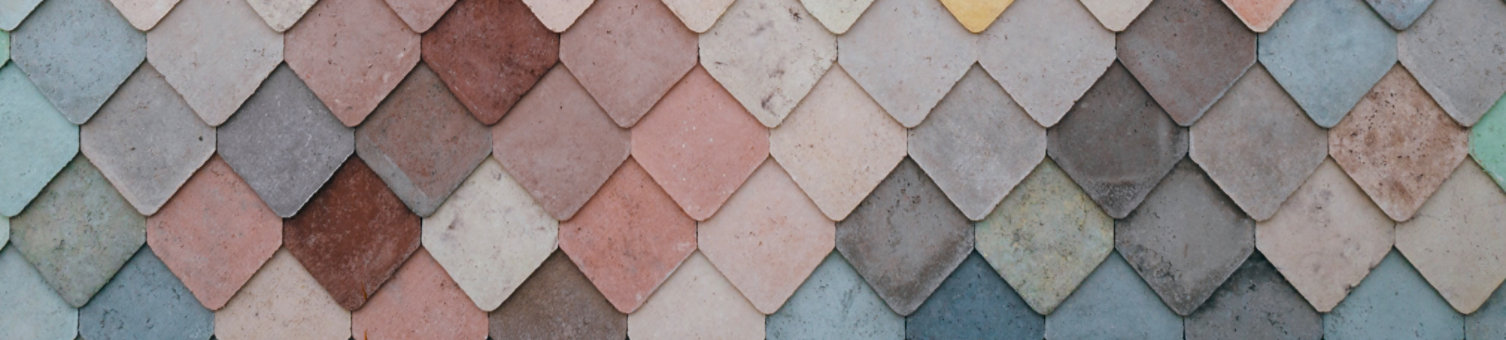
{"points": [[1113, 303], [835, 303], [31, 310], [1394, 302], [1328, 73], [975, 303], [77, 52], [35, 141], [1255, 303], [1400, 13], [145, 301]]}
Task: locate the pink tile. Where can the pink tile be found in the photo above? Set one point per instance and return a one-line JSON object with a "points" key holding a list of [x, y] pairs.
{"points": [[421, 302], [1258, 15], [628, 53], [215, 234], [351, 53], [420, 15]]}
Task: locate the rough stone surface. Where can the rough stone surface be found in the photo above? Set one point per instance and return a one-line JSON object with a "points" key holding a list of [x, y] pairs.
{"points": [[353, 235], [1258, 15], [1400, 13], [792, 52], [420, 301], [1487, 143], [1187, 53], [1328, 73], [558, 15], [351, 53], [422, 142], [837, 15], [1455, 52], [557, 302], [35, 141], [1256, 303], [976, 15], [907, 54], [1113, 303], [144, 14], [216, 53], [420, 15], [1454, 240], [281, 14], [490, 53], [809, 313], [627, 54], [147, 140], [1398, 145], [974, 303], [696, 303], [699, 144], [1394, 302], [698, 15], [32, 310], [490, 235], [145, 301], [215, 234], [15, 11], [282, 302], [1488, 322], [1046, 54], [77, 64], [1116, 15], [78, 232]]}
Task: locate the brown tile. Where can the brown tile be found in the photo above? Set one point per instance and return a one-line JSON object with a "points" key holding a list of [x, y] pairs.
{"points": [[420, 302], [628, 53], [351, 53], [557, 302], [215, 234], [490, 52], [1187, 53]]}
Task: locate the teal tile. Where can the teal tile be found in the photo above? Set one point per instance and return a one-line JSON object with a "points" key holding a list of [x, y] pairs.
{"points": [[1487, 142], [145, 301], [1394, 302], [1488, 322], [974, 303], [15, 11], [1328, 73], [32, 311], [77, 52], [1113, 304], [835, 303], [35, 140], [4, 47], [1400, 13]]}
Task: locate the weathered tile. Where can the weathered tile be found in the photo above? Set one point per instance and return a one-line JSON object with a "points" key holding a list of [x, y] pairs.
{"points": [[699, 144], [77, 64], [907, 54], [791, 52], [905, 238], [837, 15], [557, 302], [353, 235], [696, 303], [698, 15], [1398, 145], [627, 54], [144, 14], [282, 302], [1455, 239], [1116, 15], [1256, 303], [977, 144], [559, 145], [216, 53], [768, 238], [1046, 237], [351, 53], [974, 303], [215, 234], [32, 310], [490, 53], [284, 142], [1187, 53], [1326, 237], [811, 312], [1487, 143], [490, 235], [1257, 144], [1116, 142], [976, 15], [1393, 303], [1328, 73], [1113, 304], [558, 15], [15, 11], [420, 300], [1046, 54], [145, 301], [420, 15], [1488, 322], [422, 141], [35, 141], [838, 144], [1400, 13], [147, 140], [1455, 52], [78, 232], [281, 14], [1258, 15], [629, 238]]}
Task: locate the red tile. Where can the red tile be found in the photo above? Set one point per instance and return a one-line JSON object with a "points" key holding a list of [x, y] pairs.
{"points": [[628, 53], [421, 302], [214, 234], [490, 52]]}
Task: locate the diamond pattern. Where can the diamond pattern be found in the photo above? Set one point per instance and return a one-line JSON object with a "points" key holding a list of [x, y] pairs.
{"points": [[1046, 54], [490, 235], [1187, 53], [1461, 70], [1451, 240], [147, 140], [281, 14], [976, 15], [1116, 15], [558, 15], [420, 299], [696, 303], [1113, 303], [698, 15], [214, 52], [420, 15], [78, 232], [1326, 79], [1393, 300], [1255, 303], [1259, 15], [807, 314], [34, 312], [907, 54], [837, 15], [351, 53], [627, 54], [144, 14], [1400, 13], [77, 76], [145, 300], [215, 234], [282, 302], [557, 301], [490, 53], [974, 303], [794, 53], [35, 141]]}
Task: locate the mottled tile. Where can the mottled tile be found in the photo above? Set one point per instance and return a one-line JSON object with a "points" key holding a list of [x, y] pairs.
{"points": [[1455, 52], [351, 53], [974, 303], [1488, 322], [837, 15], [281, 14], [15, 11], [1400, 13], [145, 301], [490, 235], [1394, 302], [792, 52], [1113, 303], [1258, 15], [420, 15], [557, 302], [1116, 15], [699, 144], [976, 15], [1326, 237], [144, 14], [420, 301], [1455, 239], [35, 141], [977, 144], [627, 54], [1187, 53], [696, 303], [698, 15], [1487, 143], [907, 54], [77, 76], [809, 313], [1046, 54], [78, 232], [558, 15], [1328, 73], [1256, 303], [215, 234], [284, 142], [216, 53], [282, 302], [147, 140], [32, 310], [490, 53]]}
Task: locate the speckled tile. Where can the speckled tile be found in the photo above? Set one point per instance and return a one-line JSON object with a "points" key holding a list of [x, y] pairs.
{"points": [[77, 76], [35, 141], [1394, 302], [698, 15], [1400, 13], [490, 235], [32, 310], [793, 52], [557, 302], [147, 140], [15, 11], [145, 301], [1115, 15], [216, 53], [420, 15], [1455, 52], [1328, 73], [976, 15], [696, 303], [144, 14], [282, 302], [490, 53], [837, 15], [1113, 303], [907, 54], [1454, 240], [1487, 142], [558, 15], [78, 232], [1046, 54], [351, 53], [1187, 53], [627, 54], [808, 313], [1488, 322], [1258, 15], [974, 303], [215, 234], [280, 15], [420, 301], [1256, 303]]}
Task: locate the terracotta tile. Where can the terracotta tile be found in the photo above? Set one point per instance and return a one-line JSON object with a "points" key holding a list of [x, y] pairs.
{"points": [[557, 302], [768, 238], [15, 11], [1326, 237], [32, 310], [78, 232], [696, 303], [1487, 143], [838, 144], [1400, 13], [1046, 237], [559, 145], [698, 15], [145, 301], [627, 54], [422, 142], [812, 314], [1187, 53], [1456, 67], [147, 140], [558, 15], [215, 234], [216, 53], [281, 14], [1393, 300], [79, 75], [420, 15], [284, 142], [1257, 144], [978, 144], [1489, 321], [1256, 303], [629, 238], [907, 54], [351, 53], [1454, 239], [1116, 15], [837, 15], [1046, 54], [144, 14], [699, 144], [1398, 144], [974, 303], [905, 238], [1113, 303], [490, 53], [1327, 82], [282, 302], [490, 235], [35, 141], [1258, 15], [792, 52], [353, 236], [976, 15], [1116, 142], [420, 302]]}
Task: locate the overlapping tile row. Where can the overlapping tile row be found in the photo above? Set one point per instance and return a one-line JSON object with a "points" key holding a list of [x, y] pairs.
{"points": [[780, 169]]}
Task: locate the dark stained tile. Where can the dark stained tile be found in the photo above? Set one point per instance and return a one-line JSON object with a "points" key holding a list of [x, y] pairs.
{"points": [[557, 302], [975, 303], [77, 64], [627, 54], [1258, 15], [490, 52], [145, 301], [1187, 53], [1256, 303]]}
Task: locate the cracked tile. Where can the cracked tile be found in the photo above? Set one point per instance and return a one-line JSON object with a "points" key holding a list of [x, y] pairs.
{"points": [[490, 235], [490, 53], [32, 310], [147, 140], [809, 314], [215, 234], [420, 299], [907, 54], [696, 303], [1393, 300], [557, 301], [974, 303], [1454, 239], [145, 301], [15, 12], [1256, 303], [351, 53], [1187, 53], [1113, 303], [78, 232], [144, 14], [80, 75], [1455, 52], [793, 52], [1328, 73], [698, 15], [699, 144], [216, 53], [35, 141], [1116, 15], [1400, 13], [280, 15], [976, 15], [627, 54], [282, 301], [558, 15], [1487, 143], [837, 15], [420, 15], [1046, 54], [1258, 15]]}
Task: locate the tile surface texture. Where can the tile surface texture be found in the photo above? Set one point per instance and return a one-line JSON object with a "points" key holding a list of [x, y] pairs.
{"points": [[557, 301], [974, 303], [696, 302], [1392, 303], [1400, 13], [144, 14], [1255, 303], [1452, 240], [627, 54], [420, 15], [145, 300], [490, 235], [1487, 142], [147, 140], [1259, 15], [79, 75], [32, 310], [907, 55], [1453, 50], [15, 11], [351, 53], [1046, 54], [1116, 15], [282, 301], [976, 15], [837, 15], [215, 53], [1328, 73], [1113, 303], [490, 53], [793, 52], [698, 15], [420, 300], [558, 15], [215, 234], [807, 314], [35, 141], [1187, 53], [280, 15]]}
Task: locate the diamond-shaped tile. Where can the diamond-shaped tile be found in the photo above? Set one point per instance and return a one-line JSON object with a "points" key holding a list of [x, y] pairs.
{"points": [[284, 142], [147, 140], [1257, 144], [768, 238], [905, 238], [628, 53], [215, 234], [15, 11], [281, 14], [1328, 73], [145, 301], [558, 15], [420, 299], [1258, 15], [420, 15], [809, 314], [837, 15], [1454, 240], [1187, 53], [698, 15], [1116, 15], [216, 53], [1400, 13], [973, 303], [79, 75], [1113, 303], [144, 14], [282, 302], [1256, 303], [1046, 237], [977, 144], [1046, 54], [629, 238], [696, 303], [35, 141], [907, 54], [78, 232], [976, 15], [559, 145], [1398, 145], [1487, 143], [792, 54], [1393, 301], [351, 53], [557, 302], [1489, 322], [353, 235], [32, 310], [699, 144], [1455, 52], [490, 53], [838, 144], [1116, 142], [422, 141], [490, 235]]}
